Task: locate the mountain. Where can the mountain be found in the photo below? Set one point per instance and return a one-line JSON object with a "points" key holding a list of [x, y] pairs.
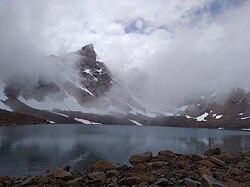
{"points": [[78, 88]]}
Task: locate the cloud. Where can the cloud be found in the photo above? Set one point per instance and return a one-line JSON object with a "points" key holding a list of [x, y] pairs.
{"points": [[181, 49]]}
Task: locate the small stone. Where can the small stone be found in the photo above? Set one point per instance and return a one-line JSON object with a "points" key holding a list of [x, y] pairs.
{"points": [[208, 181], [191, 183], [111, 180], [122, 181], [97, 176], [202, 171], [112, 173], [144, 183], [103, 164], [211, 152], [207, 163], [59, 173], [195, 157], [113, 185], [140, 158], [234, 171], [183, 164]]}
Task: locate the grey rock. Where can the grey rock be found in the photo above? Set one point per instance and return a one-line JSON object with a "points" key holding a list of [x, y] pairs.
{"points": [[191, 183], [97, 176], [27, 181], [208, 181]]}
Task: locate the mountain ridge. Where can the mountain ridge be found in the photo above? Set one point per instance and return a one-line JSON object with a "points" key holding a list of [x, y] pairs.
{"points": [[89, 93]]}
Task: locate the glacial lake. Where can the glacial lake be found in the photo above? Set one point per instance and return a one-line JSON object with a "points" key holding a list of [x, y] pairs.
{"points": [[31, 150]]}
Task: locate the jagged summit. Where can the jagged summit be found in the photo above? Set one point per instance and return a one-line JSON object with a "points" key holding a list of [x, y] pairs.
{"points": [[88, 52]]}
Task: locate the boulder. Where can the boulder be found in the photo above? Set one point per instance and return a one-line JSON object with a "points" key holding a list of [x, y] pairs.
{"points": [[165, 152], [140, 158], [211, 152], [140, 166], [207, 163], [157, 164], [4, 178], [161, 182], [183, 164], [191, 183], [217, 161], [75, 182], [112, 173], [195, 157], [66, 167], [134, 180], [103, 164], [208, 181], [202, 171], [59, 173], [97, 176], [27, 181]]}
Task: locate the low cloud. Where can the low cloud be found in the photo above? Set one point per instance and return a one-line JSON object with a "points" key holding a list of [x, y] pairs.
{"points": [[167, 52]]}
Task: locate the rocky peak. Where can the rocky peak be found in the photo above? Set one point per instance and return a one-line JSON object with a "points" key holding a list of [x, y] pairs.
{"points": [[88, 53]]}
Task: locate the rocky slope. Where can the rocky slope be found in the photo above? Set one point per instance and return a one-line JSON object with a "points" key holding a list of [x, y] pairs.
{"points": [[215, 169], [81, 89]]}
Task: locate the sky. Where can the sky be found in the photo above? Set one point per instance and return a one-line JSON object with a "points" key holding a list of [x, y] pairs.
{"points": [[166, 51]]}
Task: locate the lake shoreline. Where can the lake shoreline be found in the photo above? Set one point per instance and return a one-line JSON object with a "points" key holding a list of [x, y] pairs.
{"points": [[198, 127], [167, 168]]}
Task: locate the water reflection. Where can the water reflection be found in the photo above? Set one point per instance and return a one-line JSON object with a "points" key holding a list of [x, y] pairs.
{"points": [[34, 149]]}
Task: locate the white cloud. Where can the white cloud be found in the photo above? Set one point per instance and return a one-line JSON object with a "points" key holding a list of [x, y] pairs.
{"points": [[183, 53]]}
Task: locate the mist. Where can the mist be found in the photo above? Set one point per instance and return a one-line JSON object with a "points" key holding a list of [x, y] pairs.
{"points": [[166, 52]]}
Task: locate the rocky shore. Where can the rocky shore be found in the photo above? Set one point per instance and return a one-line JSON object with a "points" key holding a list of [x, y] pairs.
{"points": [[214, 169]]}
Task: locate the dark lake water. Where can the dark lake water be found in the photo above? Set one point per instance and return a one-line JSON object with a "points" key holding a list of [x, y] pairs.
{"points": [[31, 150]]}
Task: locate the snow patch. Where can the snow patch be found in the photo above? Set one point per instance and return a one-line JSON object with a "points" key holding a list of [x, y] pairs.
{"points": [[189, 117], [88, 71], [182, 108], [99, 70], [202, 117], [5, 107], [214, 94], [240, 114], [221, 128], [86, 90], [245, 118], [86, 121], [135, 122], [218, 116], [59, 114], [245, 129], [52, 122]]}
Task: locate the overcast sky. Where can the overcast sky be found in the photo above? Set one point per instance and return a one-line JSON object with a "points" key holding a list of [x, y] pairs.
{"points": [[167, 50]]}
